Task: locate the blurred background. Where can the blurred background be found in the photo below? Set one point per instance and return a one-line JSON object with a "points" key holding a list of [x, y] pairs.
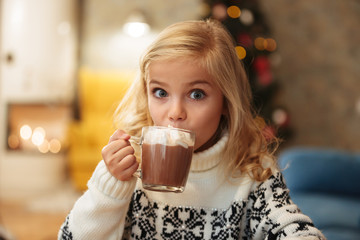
{"points": [[65, 64]]}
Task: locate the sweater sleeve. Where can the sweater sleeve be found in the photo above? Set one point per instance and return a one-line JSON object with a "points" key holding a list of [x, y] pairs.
{"points": [[275, 216], [100, 212]]}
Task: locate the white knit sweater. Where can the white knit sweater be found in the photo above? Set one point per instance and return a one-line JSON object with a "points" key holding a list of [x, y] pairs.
{"points": [[211, 207]]}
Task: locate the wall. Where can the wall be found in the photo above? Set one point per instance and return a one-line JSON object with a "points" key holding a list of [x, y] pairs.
{"points": [[318, 42], [103, 44], [39, 50]]}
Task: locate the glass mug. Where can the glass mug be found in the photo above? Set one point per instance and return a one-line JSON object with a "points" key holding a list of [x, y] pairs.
{"points": [[166, 155]]}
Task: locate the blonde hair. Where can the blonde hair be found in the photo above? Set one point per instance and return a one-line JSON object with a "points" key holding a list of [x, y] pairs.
{"points": [[213, 48]]}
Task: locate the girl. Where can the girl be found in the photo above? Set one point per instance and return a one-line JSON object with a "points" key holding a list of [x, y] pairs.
{"points": [[191, 78]]}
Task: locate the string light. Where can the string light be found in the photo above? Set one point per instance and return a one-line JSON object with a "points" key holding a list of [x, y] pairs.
{"points": [[44, 147], [13, 141], [38, 136], [259, 43], [270, 44], [246, 17], [25, 132], [241, 52], [234, 11], [55, 146], [219, 11], [279, 116]]}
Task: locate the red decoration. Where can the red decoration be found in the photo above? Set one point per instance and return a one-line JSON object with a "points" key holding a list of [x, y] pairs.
{"points": [[245, 40], [263, 70]]}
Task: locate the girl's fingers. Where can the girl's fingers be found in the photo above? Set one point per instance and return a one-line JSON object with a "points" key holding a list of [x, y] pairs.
{"points": [[126, 168], [121, 164], [119, 157], [113, 147], [119, 134]]}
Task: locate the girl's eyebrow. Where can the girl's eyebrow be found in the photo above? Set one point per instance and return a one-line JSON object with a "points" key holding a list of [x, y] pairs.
{"points": [[200, 82], [196, 82], [154, 81]]}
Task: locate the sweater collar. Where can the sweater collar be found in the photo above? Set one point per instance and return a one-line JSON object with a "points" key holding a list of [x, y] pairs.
{"points": [[209, 158]]}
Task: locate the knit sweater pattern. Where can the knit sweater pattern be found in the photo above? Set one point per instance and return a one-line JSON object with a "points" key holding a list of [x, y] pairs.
{"points": [[211, 207]]}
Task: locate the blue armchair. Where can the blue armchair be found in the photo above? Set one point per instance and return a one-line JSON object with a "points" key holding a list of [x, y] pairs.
{"points": [[325, 184]]}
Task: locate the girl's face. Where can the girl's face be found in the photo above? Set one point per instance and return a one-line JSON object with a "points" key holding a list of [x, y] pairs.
{"points": [[183, 95]]}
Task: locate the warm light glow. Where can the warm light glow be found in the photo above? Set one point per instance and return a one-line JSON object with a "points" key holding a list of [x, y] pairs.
{"points": [[241, 52], [219, 11], [234, 11], [13, 141], [55, 146], [136, 29], [246, 17], [25, 132], [279, 116], [44, 147], [270, 44], [38, 136], [260, 43]]}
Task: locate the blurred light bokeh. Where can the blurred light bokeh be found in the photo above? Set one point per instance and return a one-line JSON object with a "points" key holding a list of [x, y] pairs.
{"points": [[56, 54]]}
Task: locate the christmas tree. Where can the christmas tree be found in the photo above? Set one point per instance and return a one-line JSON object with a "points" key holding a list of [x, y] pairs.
{"points": [[257, 49]]}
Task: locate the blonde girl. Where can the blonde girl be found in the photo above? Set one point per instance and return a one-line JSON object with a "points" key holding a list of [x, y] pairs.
{"points": [[191, 78]]}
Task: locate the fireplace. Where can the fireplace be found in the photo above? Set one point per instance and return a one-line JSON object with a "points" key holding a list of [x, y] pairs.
{"points": [[37, 127], [33, 157]]}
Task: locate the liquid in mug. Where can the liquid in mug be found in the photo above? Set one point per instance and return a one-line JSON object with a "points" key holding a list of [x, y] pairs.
{"points": [[165, 165]]}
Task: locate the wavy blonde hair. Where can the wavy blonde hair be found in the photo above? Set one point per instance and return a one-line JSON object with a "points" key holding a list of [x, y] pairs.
{"points": [[212, 47]]}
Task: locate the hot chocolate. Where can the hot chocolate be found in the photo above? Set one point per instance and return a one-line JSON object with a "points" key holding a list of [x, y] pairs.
{"points": [[165, 165], [166, 155]]}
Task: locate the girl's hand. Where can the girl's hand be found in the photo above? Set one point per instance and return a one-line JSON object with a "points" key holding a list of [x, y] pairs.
{"points": [[119, 157]]}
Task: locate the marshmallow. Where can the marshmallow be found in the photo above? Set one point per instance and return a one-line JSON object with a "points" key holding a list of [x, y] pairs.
{"points": [[168, 136]]}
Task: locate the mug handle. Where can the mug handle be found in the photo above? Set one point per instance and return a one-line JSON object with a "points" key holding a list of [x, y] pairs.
{"points": [[137, 141]]}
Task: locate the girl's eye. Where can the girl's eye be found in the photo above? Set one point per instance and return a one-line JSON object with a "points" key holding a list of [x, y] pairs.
{"points": [[197, 94], [160, 93]]}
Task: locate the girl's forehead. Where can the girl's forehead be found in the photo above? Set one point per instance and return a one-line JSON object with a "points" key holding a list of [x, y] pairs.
{"points": [[184, 66], [173, 59], [194, 62]]}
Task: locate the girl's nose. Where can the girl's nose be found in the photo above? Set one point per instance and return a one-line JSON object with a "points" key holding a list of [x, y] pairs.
{"points": [[177, 111]]}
